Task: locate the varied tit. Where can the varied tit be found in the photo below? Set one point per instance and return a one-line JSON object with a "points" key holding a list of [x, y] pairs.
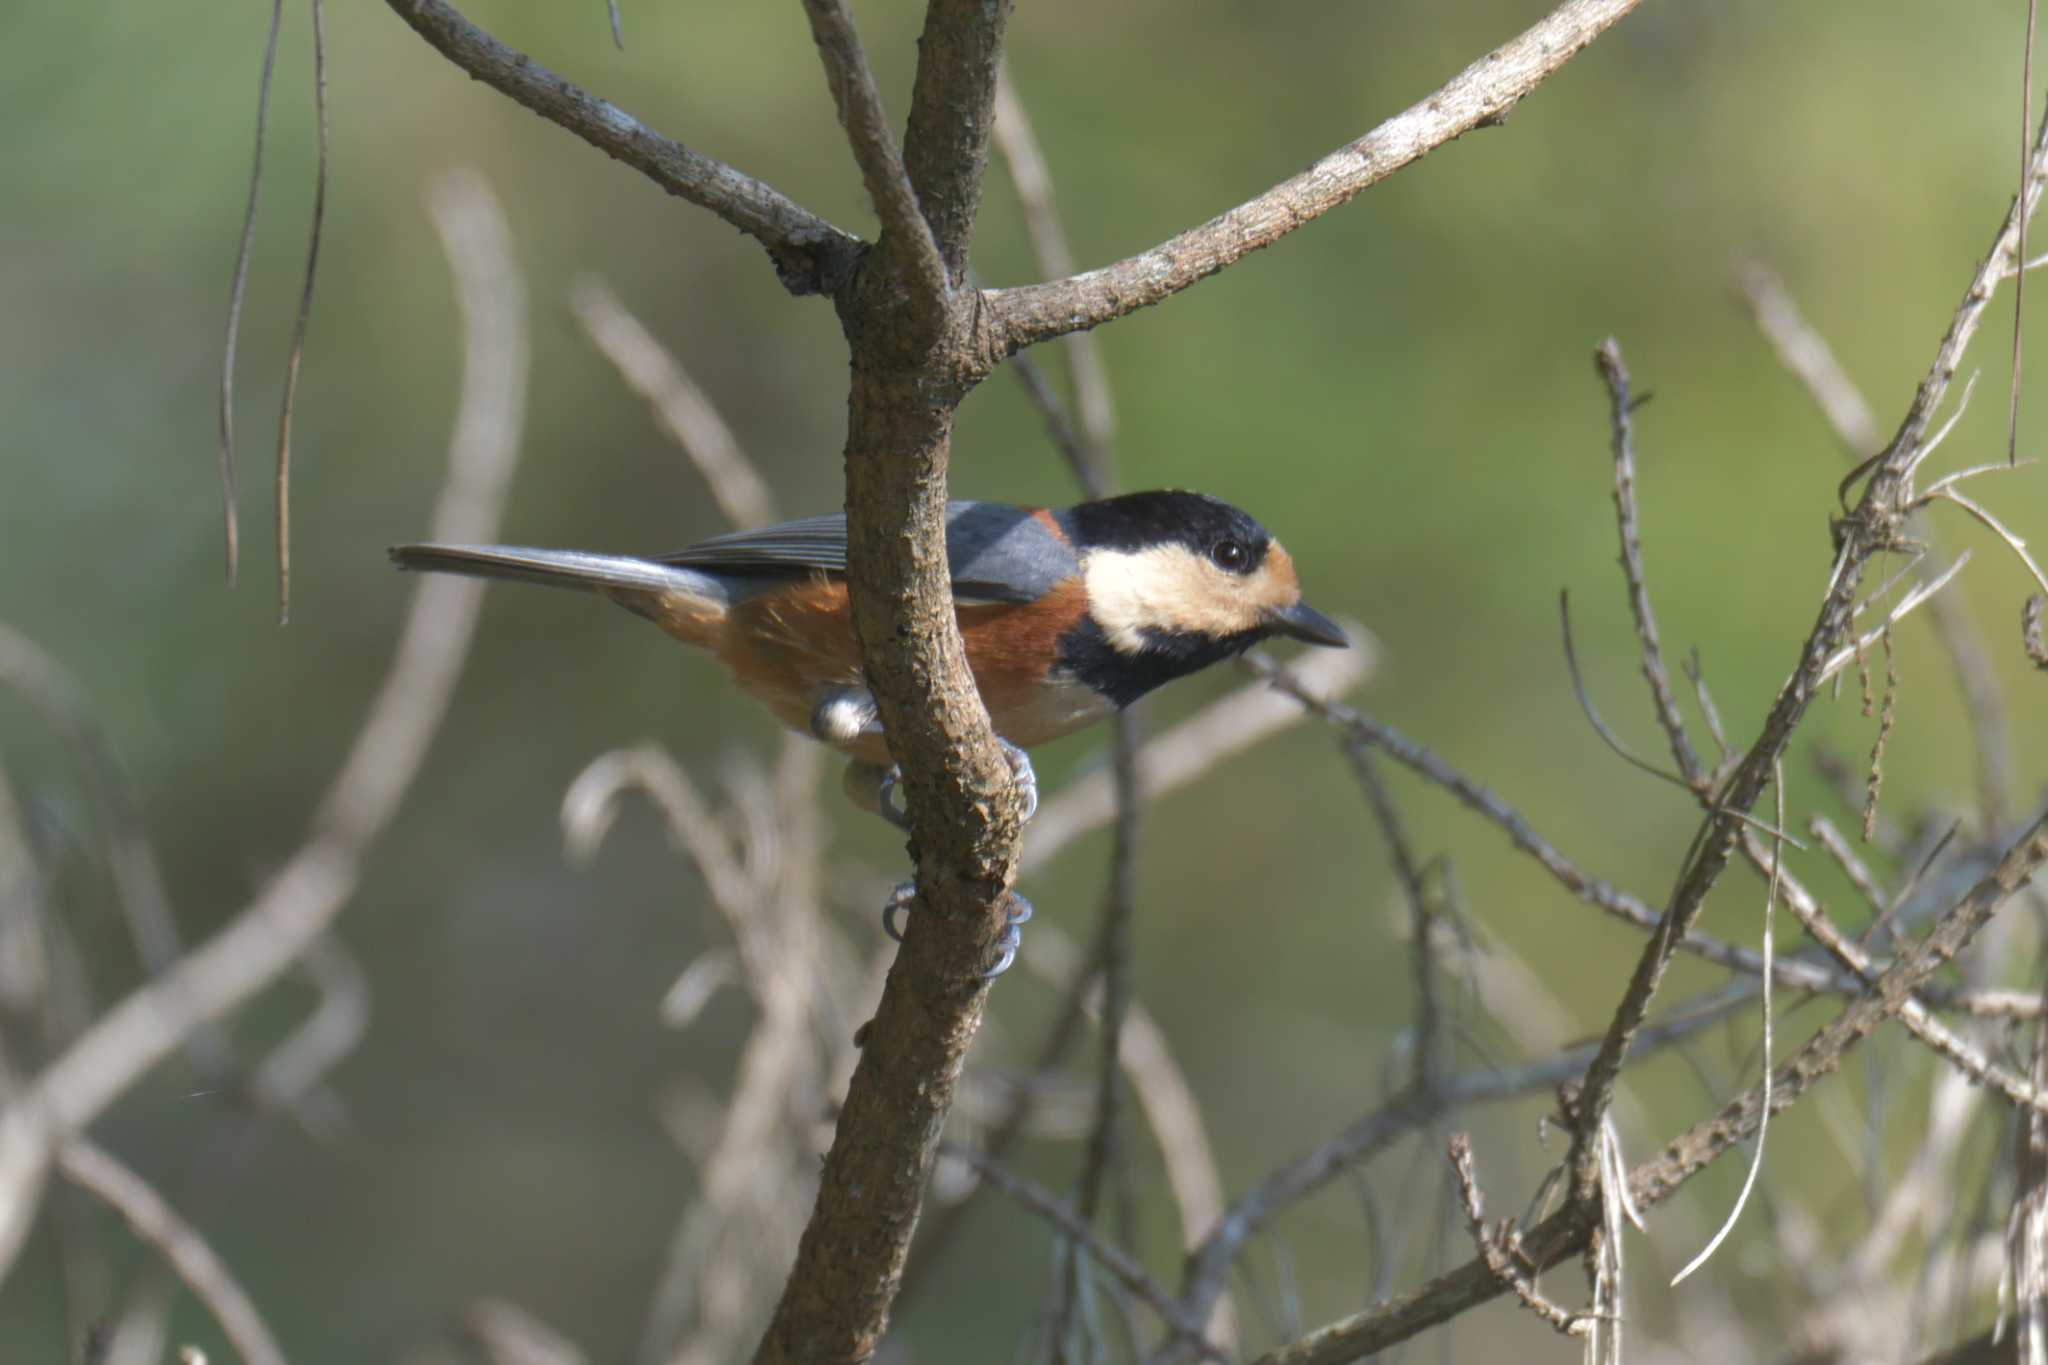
{"points": [[1067, 614]]}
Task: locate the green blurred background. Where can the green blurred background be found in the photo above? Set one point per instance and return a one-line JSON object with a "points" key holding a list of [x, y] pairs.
{"points": [[1402, 391]]}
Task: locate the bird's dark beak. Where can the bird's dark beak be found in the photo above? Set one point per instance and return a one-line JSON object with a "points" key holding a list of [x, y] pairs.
{"points": [[1303, 622]]}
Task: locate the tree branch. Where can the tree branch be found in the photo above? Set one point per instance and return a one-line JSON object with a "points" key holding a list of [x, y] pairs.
{"points": [[905, 233], [1479, 96], [952, 113], [913, 360], [1872, 527], [811, 256]]}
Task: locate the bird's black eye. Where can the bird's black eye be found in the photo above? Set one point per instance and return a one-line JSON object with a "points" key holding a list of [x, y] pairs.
{"points": [[1230, 556]]}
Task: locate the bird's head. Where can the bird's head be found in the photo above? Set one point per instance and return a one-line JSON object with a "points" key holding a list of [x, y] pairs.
{"points": [[1183, 573]]}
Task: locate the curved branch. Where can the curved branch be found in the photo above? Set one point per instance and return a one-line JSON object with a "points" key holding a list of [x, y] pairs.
{"points": [[264, 939], [1479, 96], [811, 255]]}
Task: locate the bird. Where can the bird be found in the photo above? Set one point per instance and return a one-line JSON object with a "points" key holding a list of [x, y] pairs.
{"points": [[1067, 614]]}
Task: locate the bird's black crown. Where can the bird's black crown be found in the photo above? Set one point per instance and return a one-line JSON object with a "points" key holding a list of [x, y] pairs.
{"points": [[1138, 521]]}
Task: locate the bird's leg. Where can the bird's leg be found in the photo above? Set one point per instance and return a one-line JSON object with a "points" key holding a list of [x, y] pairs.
{"points": [[872, 787]]}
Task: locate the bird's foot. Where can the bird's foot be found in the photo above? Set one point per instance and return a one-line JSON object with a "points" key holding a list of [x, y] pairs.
{"points": [[1007, 944], [1025, 777], [873, 787]]}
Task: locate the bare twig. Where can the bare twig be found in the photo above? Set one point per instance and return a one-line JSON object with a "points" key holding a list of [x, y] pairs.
{"points": [[1224, 728], [811, 255], [873, 141], [1499, 1247], [1209, 1263], [297, 352], [130, 856], [682, 408], [1601, 894], [1481, 95], [2031, 638], [1110, 1257], [1922, 592], [1408, 872], [2019, 300], [1914, 1013], [510, 1335], [1806, 353], [1756, 1160], [1091, 454], [1566, 1232], [1165, 1097], [265, 938], [182, 1248], [236, 288], [2012, 542], [1106, 1143], [1887, 716], [1614, 373], [1853, 867]]}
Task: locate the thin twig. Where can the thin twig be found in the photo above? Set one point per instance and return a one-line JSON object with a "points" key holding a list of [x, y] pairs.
{"points": [[2013, 542], [1565, 1232], [1614, 373], [183, 1249], [1408, 872], [681, 406], [1106, 1143], [1110, 1257], [1921, 592], [266, 937], [1208, 1265], [2031, 636], [1806, 353], [1582, 884], [1756, 1160], [874, 146], [237, 286], [1915, 1013], [1853, 867], [1593, 717], [1497, 1246], [1095, 426], [1480, 96], [1224, 728], [2019, 252], [297, 351]]}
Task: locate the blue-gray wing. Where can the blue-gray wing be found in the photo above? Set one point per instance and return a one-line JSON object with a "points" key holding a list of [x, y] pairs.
{"points": [[997, 553]]}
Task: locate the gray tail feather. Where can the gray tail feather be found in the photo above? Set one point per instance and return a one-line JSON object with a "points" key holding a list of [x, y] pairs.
{"points": [[562, 569]]}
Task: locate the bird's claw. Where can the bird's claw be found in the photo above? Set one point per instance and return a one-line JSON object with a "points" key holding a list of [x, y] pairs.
{"points": [[888, 780], [1007, 944], [1012, 937], [899, 900], [1025, 777], [885, 798]]}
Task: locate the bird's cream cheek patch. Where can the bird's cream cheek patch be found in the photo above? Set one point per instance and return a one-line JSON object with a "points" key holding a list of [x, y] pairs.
{"points": [[1171, 588]]}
